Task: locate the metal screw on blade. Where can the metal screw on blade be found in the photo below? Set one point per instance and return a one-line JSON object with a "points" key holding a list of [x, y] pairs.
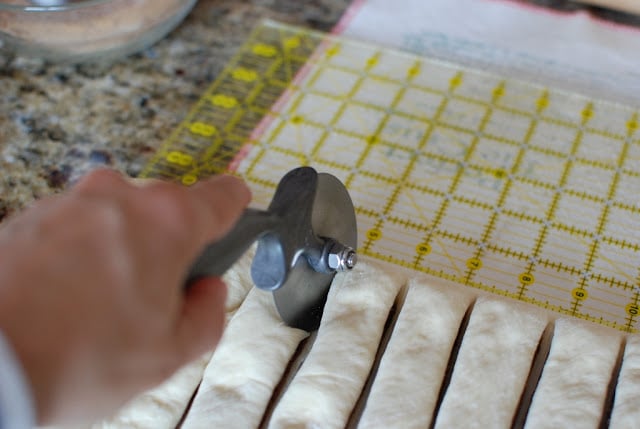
{"points": [[341, 258]]}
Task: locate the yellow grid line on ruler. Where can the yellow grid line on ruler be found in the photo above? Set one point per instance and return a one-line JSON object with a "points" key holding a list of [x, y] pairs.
{"points": [[474, 263], [533, 117], [424, 248], [532, 114], [222, 120], [374, 232], [578, 293], [492, 183]]}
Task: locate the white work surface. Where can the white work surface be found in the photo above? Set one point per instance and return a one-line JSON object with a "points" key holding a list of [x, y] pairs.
{"points": [[568, 50]]}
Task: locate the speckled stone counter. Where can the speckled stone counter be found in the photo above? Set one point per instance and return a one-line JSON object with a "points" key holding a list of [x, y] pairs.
{"points": [[59, 122]]}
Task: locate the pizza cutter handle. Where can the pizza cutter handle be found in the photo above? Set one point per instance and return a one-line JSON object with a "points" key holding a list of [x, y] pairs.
{"points": [[219, 256]]}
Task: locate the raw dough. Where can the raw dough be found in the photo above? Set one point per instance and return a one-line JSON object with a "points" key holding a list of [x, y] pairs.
{"points": [[410, 374], [238, 280], [163, 406], [574, 382], [626, 408], [492, 366], [246, 367], [328, 385]]}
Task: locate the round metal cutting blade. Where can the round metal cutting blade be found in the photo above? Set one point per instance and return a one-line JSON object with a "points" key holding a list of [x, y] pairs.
{"points": [[300, 301]]}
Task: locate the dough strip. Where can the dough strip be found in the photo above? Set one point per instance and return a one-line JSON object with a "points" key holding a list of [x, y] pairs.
{"points": [[328, 385], [409, 378]]}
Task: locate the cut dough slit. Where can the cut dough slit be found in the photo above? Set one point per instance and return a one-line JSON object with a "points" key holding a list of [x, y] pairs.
{"points": [[492, 365], [162, 406], [607, 409], [394, 354], [446, 380], [626, 412], [292, 369], [539, 360], [389, 326], [166, 405], [409, 375], [573, 386], [246, 367], [189, 403], [328, 385]]}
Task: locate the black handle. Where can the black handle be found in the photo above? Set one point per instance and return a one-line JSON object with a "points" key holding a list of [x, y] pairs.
{"points": [[219, 256]]}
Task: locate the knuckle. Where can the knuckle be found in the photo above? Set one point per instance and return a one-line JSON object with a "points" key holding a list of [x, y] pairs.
{"points": [[223, 198], [98, 179], [174, 211], [221, 217]]}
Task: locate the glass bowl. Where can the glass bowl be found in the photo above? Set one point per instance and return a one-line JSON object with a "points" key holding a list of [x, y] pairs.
{"points": [[89, 30]]}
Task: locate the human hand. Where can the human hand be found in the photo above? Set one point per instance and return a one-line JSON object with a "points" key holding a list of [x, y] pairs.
{"points": [[91, 288]]}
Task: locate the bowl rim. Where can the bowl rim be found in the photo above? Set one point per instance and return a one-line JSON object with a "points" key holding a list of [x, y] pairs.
{"points": [[37, 8]]}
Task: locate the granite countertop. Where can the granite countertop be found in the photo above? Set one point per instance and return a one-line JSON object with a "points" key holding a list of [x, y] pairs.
{"points": [[59, 122]]}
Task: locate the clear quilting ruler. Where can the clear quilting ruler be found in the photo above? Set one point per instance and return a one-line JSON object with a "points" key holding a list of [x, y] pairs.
{"points": [[516, 189]]}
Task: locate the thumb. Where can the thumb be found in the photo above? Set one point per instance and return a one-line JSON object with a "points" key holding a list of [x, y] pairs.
{"points": [[203, 317]]}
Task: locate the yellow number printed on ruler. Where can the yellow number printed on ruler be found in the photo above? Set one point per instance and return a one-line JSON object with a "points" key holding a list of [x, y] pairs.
{"points": [[423, 249], [244, 75], [632, 309], [179, 158], [374, 234], [224, 101], [292, 42], [526, 278], [189, 179], [202, 129], [474, 264], [579, 294], [264, 50]]}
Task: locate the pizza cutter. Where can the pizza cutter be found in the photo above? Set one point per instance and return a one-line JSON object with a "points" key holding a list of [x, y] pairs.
{"points": [[305, 237]]}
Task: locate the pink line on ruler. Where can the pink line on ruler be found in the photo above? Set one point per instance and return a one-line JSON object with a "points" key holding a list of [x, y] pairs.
{"points": [[348, 16]]}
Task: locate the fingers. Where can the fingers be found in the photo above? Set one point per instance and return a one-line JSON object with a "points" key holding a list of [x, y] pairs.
{"points": [[223, 199], [207, 209], [101, 182], [203, 318], [190, 218]]}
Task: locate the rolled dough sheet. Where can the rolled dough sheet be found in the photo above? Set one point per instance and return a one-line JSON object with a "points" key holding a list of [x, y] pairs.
{"points": [[245, 368], [407, 384], [492, 366], [626, 406], [328, 385], [574, 382]]}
